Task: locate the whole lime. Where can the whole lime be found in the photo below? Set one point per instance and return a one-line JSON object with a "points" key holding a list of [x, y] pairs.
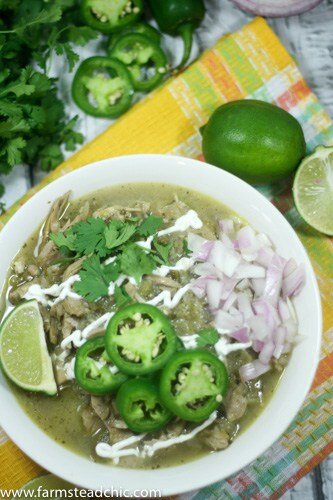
{"points": [[255, 140]]}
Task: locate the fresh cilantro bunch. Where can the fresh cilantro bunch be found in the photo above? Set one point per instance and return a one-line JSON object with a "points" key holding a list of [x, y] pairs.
{"points": [[99, 240], [34, 128]]}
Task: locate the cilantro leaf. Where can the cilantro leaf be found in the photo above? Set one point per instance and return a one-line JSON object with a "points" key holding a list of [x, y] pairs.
{"points": [[186, 249], [121, 297], [150, 225], [95, 279], [208, 336], [66, 239], [163, 251], [117, 233], [80, 35], [134, 261], [90, 237]]}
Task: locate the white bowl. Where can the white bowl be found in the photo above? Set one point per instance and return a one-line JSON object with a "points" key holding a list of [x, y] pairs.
{"points": [[295, 382]]}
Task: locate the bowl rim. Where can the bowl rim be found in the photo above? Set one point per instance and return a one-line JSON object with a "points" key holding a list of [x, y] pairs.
{"points": [[191, 482]]}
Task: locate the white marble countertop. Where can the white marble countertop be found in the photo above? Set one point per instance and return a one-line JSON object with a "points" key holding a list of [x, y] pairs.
{"points": [[309, 37]]}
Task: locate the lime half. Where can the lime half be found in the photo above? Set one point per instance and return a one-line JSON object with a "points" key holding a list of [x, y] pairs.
{"points": [[23, 350], [313, 189]]}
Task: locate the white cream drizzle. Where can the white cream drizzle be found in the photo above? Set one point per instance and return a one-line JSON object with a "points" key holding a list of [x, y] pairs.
{"points": [[183, 264], [168, 301], [189, 341], [117, 450], [187, 221], [223, 347], [78, 337], [60, 291]]}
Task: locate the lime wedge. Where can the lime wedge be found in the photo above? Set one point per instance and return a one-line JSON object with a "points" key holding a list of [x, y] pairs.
{"points": [[313, 189], [52, 485], [23, 351]]}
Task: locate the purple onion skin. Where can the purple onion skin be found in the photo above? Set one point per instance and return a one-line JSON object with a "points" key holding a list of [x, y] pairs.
{"points": [[255, 7]]}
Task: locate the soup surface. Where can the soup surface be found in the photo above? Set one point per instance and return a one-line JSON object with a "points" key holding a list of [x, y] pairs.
{"points": [[175, 284]]}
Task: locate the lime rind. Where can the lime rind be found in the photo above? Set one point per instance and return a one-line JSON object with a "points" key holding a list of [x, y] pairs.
{"points": [[23, 351], [313, 190]]}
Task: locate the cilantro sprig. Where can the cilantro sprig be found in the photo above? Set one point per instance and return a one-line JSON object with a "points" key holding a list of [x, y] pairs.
{"points": [[34, 126], [98, 239]]}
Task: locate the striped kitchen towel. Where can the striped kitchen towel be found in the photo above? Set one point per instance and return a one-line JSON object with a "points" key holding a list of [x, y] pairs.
{"points": [[251, 63]]}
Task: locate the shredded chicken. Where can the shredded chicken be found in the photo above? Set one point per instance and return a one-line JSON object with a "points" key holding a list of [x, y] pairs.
{"points": [[215, 437], [53, 221], [91, 422], [101, 406], [132, 291], [236, 403], [69, 324], [122, 213], [73, 268], [48, 253], [164, 281]]}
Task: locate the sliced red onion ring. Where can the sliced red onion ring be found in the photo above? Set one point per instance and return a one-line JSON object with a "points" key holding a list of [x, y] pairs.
{"points": [[253, 370], [276, 8]]}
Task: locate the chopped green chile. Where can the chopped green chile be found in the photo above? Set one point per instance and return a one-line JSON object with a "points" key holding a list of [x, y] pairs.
{"points": [[193, 384], [102, 87], [140, 339], [140, 406], [144, 58], [89, 373], [110, 16]]}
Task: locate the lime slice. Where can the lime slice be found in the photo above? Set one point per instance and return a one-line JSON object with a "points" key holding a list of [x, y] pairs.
{"points": [[313, 189], [49, 487], [23, 351]]}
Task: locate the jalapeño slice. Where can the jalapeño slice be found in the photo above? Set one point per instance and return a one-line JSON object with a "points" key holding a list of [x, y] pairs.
{"points": [[92, 371], [140, 406], [102, 87], [193, 383], [109, 16], [144, 59], [140, 339]]}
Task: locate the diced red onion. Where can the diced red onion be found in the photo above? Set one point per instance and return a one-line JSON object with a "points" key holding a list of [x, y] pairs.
{"points": [[226, 241], [273, 282], [280, 338], [264, 256], [241, 335], [290, 266], [231, 273], [249, 271], [230, 301], [259, 328], [226, 225], [214, 289], [257, 345], [294, 282], [253, 370], [258, 285], [228, 322], [291, 329], [264, 240], [206, 269], [244, 305], [243, 284], [283, 310], [266, 352], [247, 243], [276, 8]]}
